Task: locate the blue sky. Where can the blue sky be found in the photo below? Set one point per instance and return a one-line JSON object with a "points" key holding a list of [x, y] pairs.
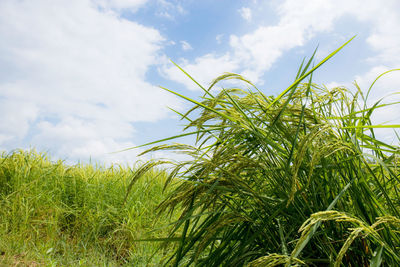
{"points": [[79, 78]]}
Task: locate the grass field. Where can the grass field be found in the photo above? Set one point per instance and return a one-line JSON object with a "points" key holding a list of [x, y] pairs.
{"points": [[57, 215], [289, 180]]}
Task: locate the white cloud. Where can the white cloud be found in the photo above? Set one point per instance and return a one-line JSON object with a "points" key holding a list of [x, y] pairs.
{"points": [[83, 139], [254, 53], [169, 9], [19, 115], [73, 75], [298, 21], [261, 48], [75, 79], [385, 37], [186, 46], [218, 38], [203, 70], [245, 12], [121, 4]]}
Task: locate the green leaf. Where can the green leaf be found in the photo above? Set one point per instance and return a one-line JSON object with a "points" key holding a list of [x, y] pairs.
{"points": [[376, 260]]}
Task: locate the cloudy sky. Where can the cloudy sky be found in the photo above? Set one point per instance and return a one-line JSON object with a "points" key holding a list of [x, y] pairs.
{"points": [[80, 78]]}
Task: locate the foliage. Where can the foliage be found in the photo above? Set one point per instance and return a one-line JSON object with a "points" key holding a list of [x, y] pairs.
{"points": [[295, 179], [54, 214]]}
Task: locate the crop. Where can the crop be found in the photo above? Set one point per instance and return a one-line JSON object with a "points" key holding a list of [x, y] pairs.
{"points": [[53, 214], [294, 179]]}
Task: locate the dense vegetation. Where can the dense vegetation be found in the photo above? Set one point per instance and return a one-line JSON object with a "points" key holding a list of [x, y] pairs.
{"points": [[57, 215], [294, 179], [297, 179]]}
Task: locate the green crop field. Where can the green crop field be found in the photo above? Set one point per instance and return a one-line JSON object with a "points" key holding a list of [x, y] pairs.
{"points": [[298, 179], [57, 215]]}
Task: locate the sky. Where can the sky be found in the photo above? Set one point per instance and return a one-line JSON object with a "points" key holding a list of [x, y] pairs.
{"points": [[80, 79]]}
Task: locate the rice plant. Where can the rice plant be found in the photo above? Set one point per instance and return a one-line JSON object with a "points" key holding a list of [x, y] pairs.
{"points": [[53, 214], [294, 179]]}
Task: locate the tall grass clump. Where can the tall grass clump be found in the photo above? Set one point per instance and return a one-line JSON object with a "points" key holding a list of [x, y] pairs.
{"points": [[294, 179], [53, 214]]}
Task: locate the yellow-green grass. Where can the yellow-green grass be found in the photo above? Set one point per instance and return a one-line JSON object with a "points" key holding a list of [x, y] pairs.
{"points": [[288, 180], [57, 215], [294, 179]]}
